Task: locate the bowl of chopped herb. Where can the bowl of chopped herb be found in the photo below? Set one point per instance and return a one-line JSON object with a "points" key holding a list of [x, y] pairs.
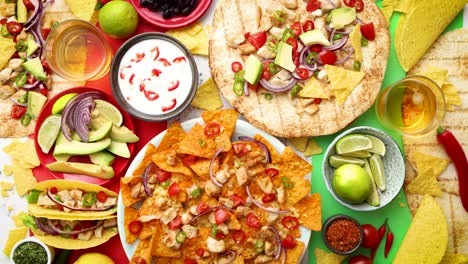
{"points": [[32, 250]]}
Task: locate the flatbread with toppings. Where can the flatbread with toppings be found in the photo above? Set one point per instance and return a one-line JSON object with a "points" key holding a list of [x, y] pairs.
{"points": [[264, 52]]}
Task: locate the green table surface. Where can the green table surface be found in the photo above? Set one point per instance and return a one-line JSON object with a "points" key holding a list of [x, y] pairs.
{"points": [[397, 212]]}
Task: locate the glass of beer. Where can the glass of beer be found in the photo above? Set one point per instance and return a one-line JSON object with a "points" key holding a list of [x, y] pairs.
{"points": [[413, 106], [76, 50]]}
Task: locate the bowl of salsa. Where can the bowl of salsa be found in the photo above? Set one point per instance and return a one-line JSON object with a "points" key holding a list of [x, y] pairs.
{"points": [[154, 77], [32, 250], [342, 234]]}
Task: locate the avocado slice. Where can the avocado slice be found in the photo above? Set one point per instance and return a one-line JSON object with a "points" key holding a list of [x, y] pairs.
{"points": [[21, 12], [314, 37], [123, 134], [35, 103], [253, 70], [32, 45], [34, 67], [284, 57], [99, 171], [102, 158], [80, 148], [119, 149], [343, 16], [101, 132]]}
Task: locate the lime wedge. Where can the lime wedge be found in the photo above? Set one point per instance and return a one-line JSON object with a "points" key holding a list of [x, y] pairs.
{"points": [[377, 169], [59, 105], [362, 154], [109, 112], [373, 198], [48, 132], [35, 103], [336, 161], [353, 143], [378, 146]]}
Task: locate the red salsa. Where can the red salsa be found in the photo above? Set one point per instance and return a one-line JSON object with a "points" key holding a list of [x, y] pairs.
{"points": [[343, 235]]}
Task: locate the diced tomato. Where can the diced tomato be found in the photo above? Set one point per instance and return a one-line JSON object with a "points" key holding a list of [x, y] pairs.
{"points": [[30, 79], [221, 216], [14, 27], [202, 207], [189, 160], [175, 223], [268, 198], [290, 222], [328, 57], [308, 26], [200, 252], [174, 85], [257, 39], [302, 72], [368, 31], [266, 74], [101, 196], [289, 242], [212, 129], [359, 5], [253, 87], [162, 175], [179, 59], [313, 5], [29, 5], [53, 190], [155, 72], [253, 221], [173, 189], [220, 235], [349, 3], [46, 66], [317, 100], [165, 62], [17, 111], [169, 107], [190, 261], [293, 43], [240, 149], [238, 236], [272, 172], [236, 66], [135, 227], [43, 91], [297, 29], [295, 56], [237, 200], [3, 21], [138, 260], [76, 228]]}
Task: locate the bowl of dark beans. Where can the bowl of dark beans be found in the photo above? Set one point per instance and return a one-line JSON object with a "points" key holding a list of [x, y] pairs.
{"points": [[170, 8]]}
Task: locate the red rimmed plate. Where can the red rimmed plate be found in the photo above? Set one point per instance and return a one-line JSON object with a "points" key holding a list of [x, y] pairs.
{"points": [[156, 18], [119, 164]]}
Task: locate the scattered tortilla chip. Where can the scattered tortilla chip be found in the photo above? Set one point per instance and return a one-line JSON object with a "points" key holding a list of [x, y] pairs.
{"points": [[324, 257], [343, 81], [312, 148], [451, 94], [355, 38], [197, 144], [14, 236], [227, 118], [313, 88], [450, 258], [83, 9], [294, 255], [202, 48], [150, 150], [300, 188], [159, 249], [148, 230], [160, 158], [299, 143], [207, 96], [438, 75], [202, 168], [130, 214], [275, 156], [310, 212], [293, 165], [18, 219], [391, 3], [7, 49], [142, 251], [387, 11], [425, 183], [174, 134], [194, 37], [5, 188], [126, 184], [24, 178], [24, 152], [7, 170], [404, 6], [424, 161], [189, 41]]}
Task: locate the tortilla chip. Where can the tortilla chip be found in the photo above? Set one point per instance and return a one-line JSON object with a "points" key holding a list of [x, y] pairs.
{"points": [[391, 3], [83, 9], [355, 38], [294, 255], [5, 187], [324, 257], [275, 156], [143, 251], [312, 148], [126, 184], [7, 170], [310, 212], [7, 49], [24, 178], [300, 188], [293, 165], [174, 134], [18, 219], [207, 96], [387, 11], [14, 236], [150, 150], [313, 88], [404, 6], [451, 94], [130, 214], [343, 81], [202, 47], [450, 258], [438, 75], [148, 229], [197, 144], [160, 159], [227, 118], [425, 183], [424, 161], [202, 168], [158, 248], [189, 41], [24, 152], [299, 143]]}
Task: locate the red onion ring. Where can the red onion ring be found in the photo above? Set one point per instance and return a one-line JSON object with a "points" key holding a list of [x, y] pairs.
{"points": [[339, 44], [246, 89], [51, 197], [278, 241], [305, 51], [38, 10], [43, 228], [212, 176], [33, 86], [260, 144], [359, 20], [261, 206], [76, 232], [145, 179], [345, 58], [278, 89], [13, 100], [209, 210], [333, 4], [283, 261]]}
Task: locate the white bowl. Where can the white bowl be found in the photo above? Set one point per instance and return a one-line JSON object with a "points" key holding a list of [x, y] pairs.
{"points": [[50, 251]]}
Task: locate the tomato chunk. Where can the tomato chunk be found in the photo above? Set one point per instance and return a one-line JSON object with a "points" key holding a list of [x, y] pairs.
{"points": [[101, 196], [368, 31], [313, 5], [297, 29], [202, 207], [162, 175], [189, 160], [17, 111], [173, 189], [175, 223], [272, 172], [328, 57], [289, 242], [253, 221], [239, 236], [257, 39]]}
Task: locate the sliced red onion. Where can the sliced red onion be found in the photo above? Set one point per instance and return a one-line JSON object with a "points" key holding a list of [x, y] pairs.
{"points": [[145, 179], [33, 86], [278, 241], [52, 197], [283, 261], [74, 232], [331, 3], [33, 19], [358, 20], [260, 144], [339, 44], [345, 58], [212, 174], [278, 89], [43, 228], [211, 209], [261, 206], [13, 100], [246, 89], [302, 60]]}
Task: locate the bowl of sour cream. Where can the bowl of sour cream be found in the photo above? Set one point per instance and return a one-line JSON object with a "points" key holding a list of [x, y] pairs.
{"points": [[154, 77]]}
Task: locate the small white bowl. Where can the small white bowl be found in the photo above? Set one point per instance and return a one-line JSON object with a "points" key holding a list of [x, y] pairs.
{"points": [[50, 251]]}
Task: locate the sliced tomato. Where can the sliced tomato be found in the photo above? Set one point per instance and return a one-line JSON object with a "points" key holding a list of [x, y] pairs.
{"points": [[162, 175], [238, 200], [240, 149], [253, 221], [189, 160], [101, 196], [173, 189], [14, 27], [290, 222], [212, 129], [135, 227], [53, 190], [289, 242], [308, 26], [328, 57], [239, 236], [236, 66], [293, 43], [202, 207], [17, 111], [189, 261], [368, 31], [220, 236], [221, 216], [349, 3], [200, 252], [266, 74], [302, 72], [317, 100], [297, 29], [272, 172], [257, 39], [313, 5], [316, 48], [268, 198], [359, 5], [175, 223]]}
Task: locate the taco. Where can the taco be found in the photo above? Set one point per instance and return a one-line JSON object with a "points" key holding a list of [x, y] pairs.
{"points": [[72, 200]]}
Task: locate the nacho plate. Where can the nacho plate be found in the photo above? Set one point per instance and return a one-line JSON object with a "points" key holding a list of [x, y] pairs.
{"points": [[242, 128]]}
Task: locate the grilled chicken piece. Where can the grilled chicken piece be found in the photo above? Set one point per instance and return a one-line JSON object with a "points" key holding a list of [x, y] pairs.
{"points": [[290, 4]]}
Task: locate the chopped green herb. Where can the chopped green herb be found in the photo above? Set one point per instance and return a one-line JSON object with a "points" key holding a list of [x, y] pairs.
{"points": [[201, 142], [364, 42], [295, 89], [238, 88], [273, 68], [287, 183], [196, 193], [33, 196], [25, 119], [268, 96], [259, 246], [21, 79], [337, 36], [214, 230], [181, 237], [30, 253], [357, 65], [166, 184]]}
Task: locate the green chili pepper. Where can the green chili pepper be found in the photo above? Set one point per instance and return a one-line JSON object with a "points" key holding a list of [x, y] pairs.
{"points": [[268, 96], [312, 57], [25, 119], [24, 98], [295, 89], [21, 79], [316, 73], [196, 193], [287, 183], [328, 18], [166, 184], [4, 31], [278, 16], [89, 199], [259, 246], [337, 36], [57, 197], [273, 68], [272, 44], [364, 42], [33, 196], [238, 88], [181, 237], [357, 65], [239, 76], [54, 25], [21, 46], [287, 33], [201, 142], [214, 230], [62, 258], [66, 228]]}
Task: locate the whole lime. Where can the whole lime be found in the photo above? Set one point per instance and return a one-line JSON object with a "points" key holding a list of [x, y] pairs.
{"points": [[118, 19], [352, 183], [94, 258]]}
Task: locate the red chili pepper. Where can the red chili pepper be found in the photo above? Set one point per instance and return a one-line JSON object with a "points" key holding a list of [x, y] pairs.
{"points": [[130, 81], [169, 107], [381, 232], [138, 57], [179, 59], [165, 62], [156, 51], [457, 155], [156, 72], [151, 95], [388, 241], [174, 85], [142, 86]]}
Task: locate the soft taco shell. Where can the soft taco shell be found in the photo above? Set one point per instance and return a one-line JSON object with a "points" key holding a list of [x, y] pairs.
{"points": [[279, 116], [39, 211]]}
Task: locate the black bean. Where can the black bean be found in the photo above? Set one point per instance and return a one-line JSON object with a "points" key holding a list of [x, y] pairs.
{"points": [[187, 2], [193, 3], [146, 3], [175, 11], [186, 11], [167, 13], [180, 3]]}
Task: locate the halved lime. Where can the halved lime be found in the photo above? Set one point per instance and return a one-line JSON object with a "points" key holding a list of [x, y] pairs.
{"points": [[377, 169], [337, 160], [59, 105], [353, 143], [109, 112], [48, 132], [362, 154], [373, 198], [378, 146]]}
